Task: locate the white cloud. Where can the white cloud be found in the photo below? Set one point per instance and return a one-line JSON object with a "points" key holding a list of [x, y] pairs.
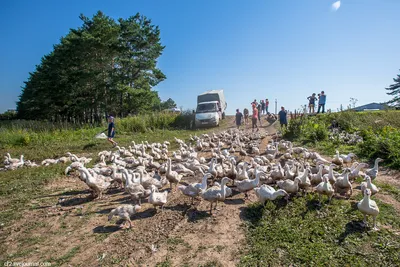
{"points": [[336, 6]]}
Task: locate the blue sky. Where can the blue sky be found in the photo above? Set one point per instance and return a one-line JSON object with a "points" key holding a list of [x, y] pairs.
{"points": [[276, 49]]}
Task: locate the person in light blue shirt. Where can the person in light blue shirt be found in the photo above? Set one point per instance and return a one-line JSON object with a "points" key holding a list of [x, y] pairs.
{"points": [[321, 102]]}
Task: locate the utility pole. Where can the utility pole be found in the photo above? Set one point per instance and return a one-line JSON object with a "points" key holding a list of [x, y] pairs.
{"points": [[276, 106]]}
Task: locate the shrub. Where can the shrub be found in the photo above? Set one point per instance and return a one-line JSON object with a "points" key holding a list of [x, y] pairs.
{"points": [[383, 143]]}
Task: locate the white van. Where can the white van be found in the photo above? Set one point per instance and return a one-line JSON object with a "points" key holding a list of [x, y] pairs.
{"points": [[211, 107]]}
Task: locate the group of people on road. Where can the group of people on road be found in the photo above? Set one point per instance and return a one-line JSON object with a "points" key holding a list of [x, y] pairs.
{"points": [[321, 102], [257, 109], [261, 107]]}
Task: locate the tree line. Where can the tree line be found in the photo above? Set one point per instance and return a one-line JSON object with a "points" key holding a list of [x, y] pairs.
{"points": [[103, 67]]}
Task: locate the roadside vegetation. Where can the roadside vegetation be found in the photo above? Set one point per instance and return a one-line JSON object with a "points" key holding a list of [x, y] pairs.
{"points": [[302, 233], [379, 130], [38, 140]]}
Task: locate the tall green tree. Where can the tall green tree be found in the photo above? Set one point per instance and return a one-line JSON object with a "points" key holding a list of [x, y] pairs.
{"points": [[104, 66], [394, 90], [169, 103]]}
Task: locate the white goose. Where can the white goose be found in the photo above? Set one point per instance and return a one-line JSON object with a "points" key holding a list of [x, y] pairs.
{"points": [[266, 192], [305, 182], [343, 184], [325, 188], [215, 193], [172, 176], [97, 185], [245, 186], [368, 207], [355, 173], [291, 187], [331, 177], [13, 160], [135, 190], [124, 212], [337, 159], [158, 199], [193, 190], [373, 173], [317, 178], [243, 175], [348, 158], [368, 184]]}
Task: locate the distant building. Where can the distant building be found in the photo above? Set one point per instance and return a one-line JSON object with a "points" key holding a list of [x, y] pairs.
{"points": [[371, 106]]}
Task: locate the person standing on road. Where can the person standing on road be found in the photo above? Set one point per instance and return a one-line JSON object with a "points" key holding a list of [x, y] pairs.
{"points": [[238, 118], [259, 113], [111, 131], [262, 106], [254, 118], [311, 103], [283, 117], [266, 106], [246, 115], [321, 102]]}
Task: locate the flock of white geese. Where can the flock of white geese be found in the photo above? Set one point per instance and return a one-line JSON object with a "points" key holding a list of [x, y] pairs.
{"points": [[235, 162]]}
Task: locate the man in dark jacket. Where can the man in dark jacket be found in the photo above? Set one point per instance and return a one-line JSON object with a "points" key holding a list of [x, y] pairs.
{"points": [[283, 117], [111, 131]]}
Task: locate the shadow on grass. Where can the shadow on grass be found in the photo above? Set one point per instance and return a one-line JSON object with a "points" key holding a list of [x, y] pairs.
{"points": [[252, 214], [88, 146], [68, 193], [351, 228]]}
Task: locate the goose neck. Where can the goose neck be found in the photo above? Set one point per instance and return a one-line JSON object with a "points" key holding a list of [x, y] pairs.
{"points": [[346, 177], [223, 189], [320, 169], [127, 179], [376, 164], [204, 182], [257, 180]]}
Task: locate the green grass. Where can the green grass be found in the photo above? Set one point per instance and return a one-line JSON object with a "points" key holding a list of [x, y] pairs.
{"points": [[390, 189], [166, 263], [66, 257], [86, 143], [213, 263], [303, 234], [379, 130]]}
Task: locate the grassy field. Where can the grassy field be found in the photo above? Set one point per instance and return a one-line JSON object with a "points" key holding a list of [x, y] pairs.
{"points": [[302, 233], [40, 140]]}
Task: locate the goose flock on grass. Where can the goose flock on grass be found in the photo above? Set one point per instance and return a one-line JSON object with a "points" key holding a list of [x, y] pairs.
{"points": [[235, 162]]}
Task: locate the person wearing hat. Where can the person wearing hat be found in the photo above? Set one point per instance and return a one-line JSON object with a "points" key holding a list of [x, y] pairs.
{"points": [[111, 131]]}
